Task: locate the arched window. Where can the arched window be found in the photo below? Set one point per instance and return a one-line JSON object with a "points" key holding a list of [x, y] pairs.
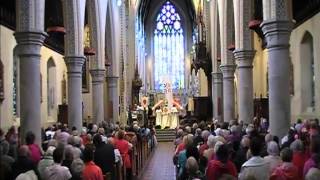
{"points": [[308, 73], [168, 48], [51, 88]]}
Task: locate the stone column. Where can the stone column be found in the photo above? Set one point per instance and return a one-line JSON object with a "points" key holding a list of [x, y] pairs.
{"points": [[73, 18], [30, 37], [228, 66], [277, 29], [112, 83], [74, 67], [97, 95], [244, 60], [217, 95], [228, 91]]}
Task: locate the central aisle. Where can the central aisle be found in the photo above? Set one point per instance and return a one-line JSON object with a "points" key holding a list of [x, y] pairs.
{"points": [[161, 167]]}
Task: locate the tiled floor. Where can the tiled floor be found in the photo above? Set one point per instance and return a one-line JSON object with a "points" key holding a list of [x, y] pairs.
{"points": [[161, 166]]}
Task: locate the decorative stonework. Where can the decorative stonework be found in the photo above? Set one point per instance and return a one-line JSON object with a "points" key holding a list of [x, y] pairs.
{"points": [[97, 76], [216, 78], [277, 33], [244, 58], [228, 71], [74, 65]]}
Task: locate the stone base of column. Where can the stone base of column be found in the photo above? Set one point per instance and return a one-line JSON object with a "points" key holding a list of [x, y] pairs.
{"points": [[228, 91]]}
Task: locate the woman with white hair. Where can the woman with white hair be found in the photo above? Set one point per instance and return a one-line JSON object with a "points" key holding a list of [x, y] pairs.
{"points": [[273, 158], [46, 161], [210, 151]]}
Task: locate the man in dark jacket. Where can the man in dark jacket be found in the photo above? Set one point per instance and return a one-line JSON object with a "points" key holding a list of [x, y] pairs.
{"points": [[104, 155]]}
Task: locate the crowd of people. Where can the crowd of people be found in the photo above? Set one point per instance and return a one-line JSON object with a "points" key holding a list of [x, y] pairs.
{"points": [[91, 153], [223, 151]]}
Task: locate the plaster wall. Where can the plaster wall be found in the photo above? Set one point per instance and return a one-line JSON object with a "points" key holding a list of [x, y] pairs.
{"points": [[312, 26], [7, 44]]}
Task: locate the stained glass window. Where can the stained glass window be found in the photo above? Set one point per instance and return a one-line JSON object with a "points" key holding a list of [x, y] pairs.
{"points": [[168, 48]]}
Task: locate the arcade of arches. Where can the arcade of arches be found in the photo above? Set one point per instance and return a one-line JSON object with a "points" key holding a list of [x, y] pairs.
{"points": [[157, 65]]}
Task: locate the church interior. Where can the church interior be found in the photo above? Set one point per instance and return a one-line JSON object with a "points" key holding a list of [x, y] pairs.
{"points": [[153, 72]]}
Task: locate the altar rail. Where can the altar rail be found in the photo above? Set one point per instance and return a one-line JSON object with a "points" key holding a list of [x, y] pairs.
{"points": [[141, 151]]}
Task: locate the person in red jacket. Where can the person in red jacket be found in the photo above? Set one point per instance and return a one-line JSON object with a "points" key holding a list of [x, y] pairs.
{"points": [[124, 147], [91, 171], [221, 166], [286, 171]]}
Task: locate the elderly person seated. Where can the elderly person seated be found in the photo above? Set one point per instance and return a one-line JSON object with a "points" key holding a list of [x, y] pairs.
{"points": [[273, 158], [24, 163], [57, 171], [241, 153], [300, 156], [208, 153], [198, 140], [221, 165], [182, 156], [192, 169], [287, 170], [46, 161], [205, 134], [256, 167], [314, 173]]}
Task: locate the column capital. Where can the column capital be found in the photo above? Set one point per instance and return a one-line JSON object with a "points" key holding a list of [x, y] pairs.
{"points": [[74, 65], [216, 77], [30, 42], [97, 75], [277, 33], [244, 58], [228, 71], [112, 81]]}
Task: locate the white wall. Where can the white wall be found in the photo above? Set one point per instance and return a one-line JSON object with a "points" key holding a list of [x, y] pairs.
{"points": [[313, 27], [61, 69], [7, 44]]}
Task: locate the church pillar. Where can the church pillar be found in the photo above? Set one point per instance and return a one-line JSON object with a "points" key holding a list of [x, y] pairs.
{"points": [[228, 91], [97, 12], [277, 27], [217, 95], [30, 37], [112, 83], [244, 54], [227, 66], [97, 95], [244, 60], [74, 73], [73, 12]]}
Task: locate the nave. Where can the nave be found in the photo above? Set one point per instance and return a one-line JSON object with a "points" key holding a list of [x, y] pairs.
{"points": [[160, 166]]}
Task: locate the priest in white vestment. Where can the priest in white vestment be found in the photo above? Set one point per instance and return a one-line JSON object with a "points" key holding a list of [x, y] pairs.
{"points": [[174, 118], [158, 117], [165, 118]]}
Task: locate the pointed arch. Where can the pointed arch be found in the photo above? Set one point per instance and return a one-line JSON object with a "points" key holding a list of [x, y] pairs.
{"points": [[308, 69], [168, 47], [51, 88]]}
